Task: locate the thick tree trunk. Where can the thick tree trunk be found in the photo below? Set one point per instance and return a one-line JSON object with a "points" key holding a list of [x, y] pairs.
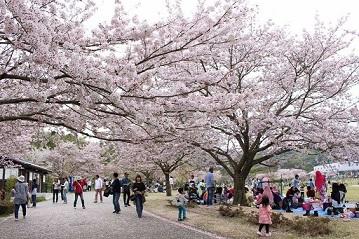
{"points": [[239, 190], [168, 185]]}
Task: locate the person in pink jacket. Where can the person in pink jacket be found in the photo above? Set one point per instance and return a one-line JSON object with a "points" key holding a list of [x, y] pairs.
{"points": [[265, 216]]}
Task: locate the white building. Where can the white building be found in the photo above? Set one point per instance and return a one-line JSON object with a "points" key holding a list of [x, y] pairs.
{"points": [[332, 169]]}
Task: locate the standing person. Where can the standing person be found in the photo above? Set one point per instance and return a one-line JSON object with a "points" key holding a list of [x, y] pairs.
{"points": [[172, 182], [192, 181], [139, 189], [181, 204], [56, 186], [65, 190], [126, 186], [89, 184], [62, 188], [296, 182], [310, 183], [116, 190], [79, 191], [20, 196], [209, 179], [98, 188], [33, 192], [320, 185], [265, 216]]}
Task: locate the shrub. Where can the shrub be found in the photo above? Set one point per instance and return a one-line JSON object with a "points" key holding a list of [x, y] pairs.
{"points": [[10, 184], [40, 199], [322, 226], [6, 207], [228, 211]]}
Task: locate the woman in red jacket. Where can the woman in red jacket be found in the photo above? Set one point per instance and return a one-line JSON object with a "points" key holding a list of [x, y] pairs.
{"points": [[78, 189]]}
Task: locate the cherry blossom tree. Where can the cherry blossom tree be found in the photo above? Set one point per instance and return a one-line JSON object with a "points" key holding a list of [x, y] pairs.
{"points": [[67, 158], [275, 93], [241, 92], [151, 156]]}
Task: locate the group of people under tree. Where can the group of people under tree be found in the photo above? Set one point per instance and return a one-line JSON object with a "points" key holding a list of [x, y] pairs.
{"points": [[207, 191], [296, 197]]}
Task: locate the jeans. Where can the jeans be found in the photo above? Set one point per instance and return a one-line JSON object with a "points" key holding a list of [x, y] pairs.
{"points": [[98, 191], [33, 199], [116, 203], [17, 207], [64, 195], [210, 196], [82, 199], [139, 204], [181, 213], [126, 197], [55, 194]]}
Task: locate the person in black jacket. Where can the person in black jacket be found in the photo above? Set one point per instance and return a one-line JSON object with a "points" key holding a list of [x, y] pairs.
{"points": [[139, 189], [116, 190]]}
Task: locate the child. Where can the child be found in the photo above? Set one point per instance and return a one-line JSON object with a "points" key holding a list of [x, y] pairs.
{"points": [[265, 213], [181, 204]]}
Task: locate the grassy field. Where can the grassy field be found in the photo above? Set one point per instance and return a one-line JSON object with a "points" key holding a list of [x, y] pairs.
{"points": [[209, 219]]}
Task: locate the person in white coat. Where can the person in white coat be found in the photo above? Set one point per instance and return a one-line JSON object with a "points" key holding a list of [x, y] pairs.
{"points": [[98, 188]]}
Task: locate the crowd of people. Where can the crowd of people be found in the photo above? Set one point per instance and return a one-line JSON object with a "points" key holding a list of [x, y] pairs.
{"points": [[309, 195], [25, 193]]}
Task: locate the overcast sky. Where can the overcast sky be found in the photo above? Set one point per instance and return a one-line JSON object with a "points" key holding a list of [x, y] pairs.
{"points": [[297, 14]]}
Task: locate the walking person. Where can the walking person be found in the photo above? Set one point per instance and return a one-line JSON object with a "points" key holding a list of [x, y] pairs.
{"points": [[56, 186], [265, 216], [98, 188], [181, 204], [209, 179], [62, 188], [139, 189], [79, 191], [33, 192], [65, 190], [126, 186], [116, 190], [20, 196]]}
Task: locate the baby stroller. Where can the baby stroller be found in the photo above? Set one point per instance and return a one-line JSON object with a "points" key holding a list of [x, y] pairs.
{"points": [[193, 195]]}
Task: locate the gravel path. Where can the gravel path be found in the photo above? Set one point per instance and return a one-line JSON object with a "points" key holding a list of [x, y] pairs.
{"points": [[54, 221]]}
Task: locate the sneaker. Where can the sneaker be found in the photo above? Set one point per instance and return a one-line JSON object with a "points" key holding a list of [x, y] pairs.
{"points": [[268, 234], [289, 211], [114, 212], [16, 219], [95, 202], [259, 233], [117, 212], [125, 205], [128, 205], [83, 207]]}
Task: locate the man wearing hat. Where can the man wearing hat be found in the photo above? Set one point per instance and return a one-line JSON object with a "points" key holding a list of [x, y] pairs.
{"points": [[126, 186], [20, 196]]}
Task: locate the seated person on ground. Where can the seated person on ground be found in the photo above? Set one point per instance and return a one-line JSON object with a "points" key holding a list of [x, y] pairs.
{"points": [[310, 192]]}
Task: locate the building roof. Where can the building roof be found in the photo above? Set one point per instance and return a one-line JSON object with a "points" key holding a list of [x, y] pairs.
{"points": [[338, 167], [27, 165]]}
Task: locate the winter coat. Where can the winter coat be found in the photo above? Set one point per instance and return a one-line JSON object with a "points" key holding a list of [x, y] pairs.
{"points": [[265, 214], [21, 193]]}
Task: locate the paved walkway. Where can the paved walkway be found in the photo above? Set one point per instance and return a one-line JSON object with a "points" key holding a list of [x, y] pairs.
{"points": [[54, 221]]}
